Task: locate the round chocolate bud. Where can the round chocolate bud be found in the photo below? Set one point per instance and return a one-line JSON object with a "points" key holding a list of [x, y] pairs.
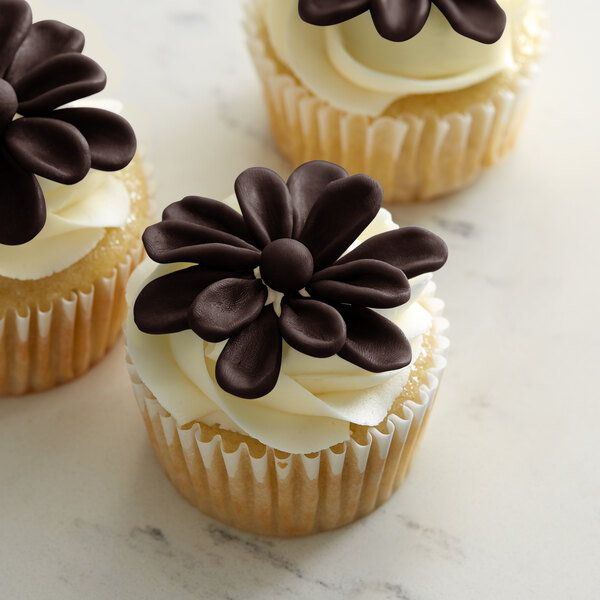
{"points": [[286, 265]]}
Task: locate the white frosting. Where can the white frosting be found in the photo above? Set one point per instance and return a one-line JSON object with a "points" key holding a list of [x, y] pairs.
{"points": [[356, 70], [314, 401], [77, 218]]}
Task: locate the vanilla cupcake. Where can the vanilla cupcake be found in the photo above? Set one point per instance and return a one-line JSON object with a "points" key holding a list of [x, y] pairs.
{"points": [[73, 205], [286, 347], [421, 95]]}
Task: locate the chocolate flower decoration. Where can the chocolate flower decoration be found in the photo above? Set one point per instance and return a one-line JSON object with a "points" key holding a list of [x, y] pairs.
{"points": [[400, 20], [41, 69], [288, 239]]}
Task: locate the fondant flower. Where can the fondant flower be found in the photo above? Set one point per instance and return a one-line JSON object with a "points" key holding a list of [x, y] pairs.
{"points": [[278, 270], [42, 69], [400, 20]]}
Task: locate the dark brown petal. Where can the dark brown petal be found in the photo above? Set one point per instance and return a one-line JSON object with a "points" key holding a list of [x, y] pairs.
{"points": [[371, 283], [480, 20], [339, 216], [249, 365], [49, 148], [266, 205], [59, 80], [225, 307], [399, 20], [209, 213], [22, 206], [8, 104], [44, 40], [312, 327], [162, 306], [306, 184], [110, 137], [414, 250], [15, 23], [330, 12], [373, 343], [176, 241]]}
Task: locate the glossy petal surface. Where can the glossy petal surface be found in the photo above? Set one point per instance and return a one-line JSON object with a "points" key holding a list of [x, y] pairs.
{"points": [[414, 250], [371, 283], [225, 307], [312, 327], [373, 342], [339, 216], [50, 148], [249, 365]]}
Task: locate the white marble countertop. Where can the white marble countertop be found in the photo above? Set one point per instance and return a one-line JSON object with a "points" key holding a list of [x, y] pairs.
{"points": [[504, 499]]}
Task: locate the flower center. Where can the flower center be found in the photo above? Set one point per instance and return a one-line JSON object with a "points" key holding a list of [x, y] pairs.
{"points": [[8, 104], [286, 265]]}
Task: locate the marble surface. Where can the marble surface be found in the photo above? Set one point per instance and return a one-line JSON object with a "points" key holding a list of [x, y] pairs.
{"points": [[504, 499]]}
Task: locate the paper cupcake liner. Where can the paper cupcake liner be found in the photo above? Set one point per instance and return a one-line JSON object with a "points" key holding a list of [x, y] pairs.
{"points": [[414, 158], [282, 494], [45, 347]]}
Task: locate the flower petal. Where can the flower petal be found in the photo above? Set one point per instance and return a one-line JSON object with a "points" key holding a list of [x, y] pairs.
{"points": [[110, 137], [312, 327], [480, 20], [22, 206], [49, 148], [15, 23], [45, 39], [225, 307], [8, 104], [176, 241], [249, 365], [266, 205], [343, 210], [414, 250], [330, 12], [209, 213], [59, 80], [371, 283], [306, 184], [373, 343], [399, 20], [162, 306]]}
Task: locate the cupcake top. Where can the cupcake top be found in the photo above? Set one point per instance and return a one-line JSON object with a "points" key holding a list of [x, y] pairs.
{"points": [[49, 139], [362, 55], [286, 313]]}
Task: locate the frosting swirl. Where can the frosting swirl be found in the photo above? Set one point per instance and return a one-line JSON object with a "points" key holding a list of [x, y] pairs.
{"points": [[357, 70]]}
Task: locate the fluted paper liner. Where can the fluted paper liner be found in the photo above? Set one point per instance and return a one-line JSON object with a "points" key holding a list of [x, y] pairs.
{"points": [[284, 494], [414, 158], [46, 347]]}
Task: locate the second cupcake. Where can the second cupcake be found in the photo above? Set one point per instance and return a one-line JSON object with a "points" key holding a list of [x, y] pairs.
{"points": [[73, 205]]}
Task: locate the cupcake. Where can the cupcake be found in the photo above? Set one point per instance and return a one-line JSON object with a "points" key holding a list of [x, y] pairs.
{"points": [[73, 205], [420, 95], [286, 347]]}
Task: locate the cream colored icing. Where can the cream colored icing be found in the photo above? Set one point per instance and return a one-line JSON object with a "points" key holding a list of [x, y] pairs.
{"points": [[356, 70], [77, 218], [314, 401]]}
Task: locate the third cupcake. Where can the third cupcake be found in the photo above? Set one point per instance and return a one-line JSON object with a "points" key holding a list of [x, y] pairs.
{"points": [[421, 95]]}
